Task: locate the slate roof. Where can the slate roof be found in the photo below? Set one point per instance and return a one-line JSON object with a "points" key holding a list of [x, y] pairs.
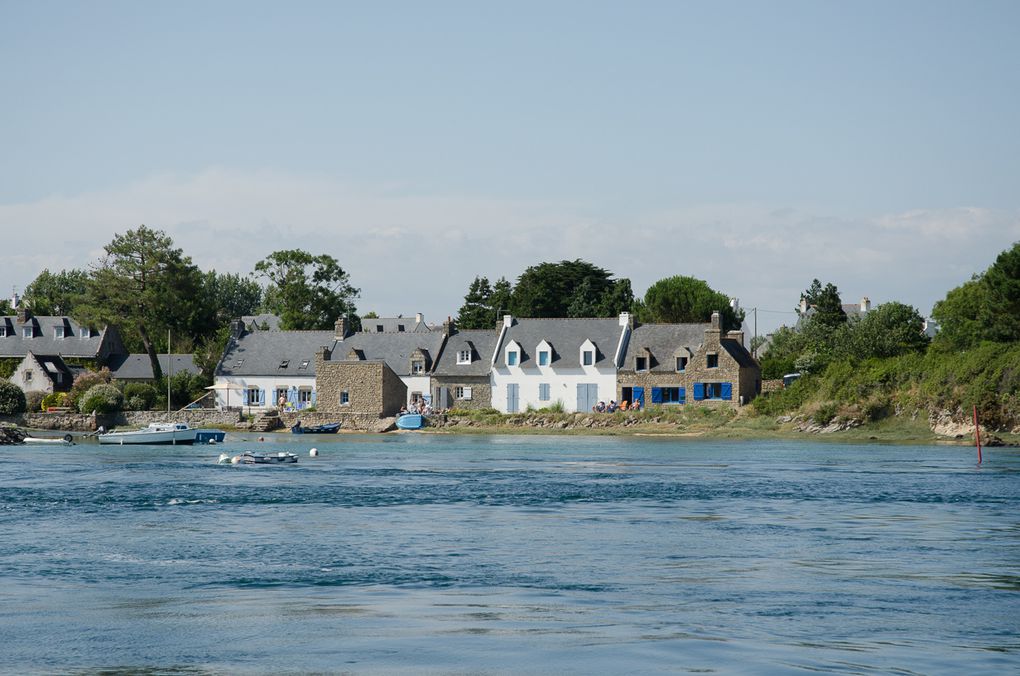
{"points": [[51, 365], [256, 322], [566, 337], [393, 348], [481, 342], [739, 353], [263, 353], [663, 340], [14, 344], [138, 366], [393, 324]]}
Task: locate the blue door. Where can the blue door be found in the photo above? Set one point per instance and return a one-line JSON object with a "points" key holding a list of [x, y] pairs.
{"points": [[512, 397], [587, 396], [639, 395]]}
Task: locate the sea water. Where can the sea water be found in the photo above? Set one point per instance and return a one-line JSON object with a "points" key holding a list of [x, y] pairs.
{"points": [[416, 554]]}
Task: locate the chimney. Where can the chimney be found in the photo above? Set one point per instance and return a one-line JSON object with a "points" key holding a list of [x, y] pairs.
{"points": [[448, 327], [340, 329], [735, 304], [325, 353], [23, 314], [715, 322], [627, 319], [865, 304], [236, 329], [736, 335], [508, 321], [418, 318], [803, 305]]}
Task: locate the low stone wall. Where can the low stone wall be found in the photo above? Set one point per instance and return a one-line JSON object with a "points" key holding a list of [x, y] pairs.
{"points": [[79, 422], [771, 385], [362, 422]]}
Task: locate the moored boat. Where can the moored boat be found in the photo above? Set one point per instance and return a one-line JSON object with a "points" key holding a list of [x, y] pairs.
{"points": [[410, 421], [328, 428], [66, 440], [155, 433], [255, 458]]}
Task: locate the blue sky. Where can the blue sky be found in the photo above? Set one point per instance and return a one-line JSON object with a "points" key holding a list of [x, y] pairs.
{"points": [[754, 145]]}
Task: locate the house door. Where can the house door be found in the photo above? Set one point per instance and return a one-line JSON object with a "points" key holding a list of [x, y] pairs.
{"points": [[512, 404], [587, 396], [639, 395]]}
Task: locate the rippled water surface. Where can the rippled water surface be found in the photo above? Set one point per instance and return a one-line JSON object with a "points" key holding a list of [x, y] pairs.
{"points": [[432, 554]]}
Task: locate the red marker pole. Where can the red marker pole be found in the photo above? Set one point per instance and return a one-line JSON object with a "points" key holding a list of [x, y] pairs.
{"points": [[977, 435]]}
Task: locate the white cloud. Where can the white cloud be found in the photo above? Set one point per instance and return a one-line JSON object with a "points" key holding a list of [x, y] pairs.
{"points": [[411, 252]]}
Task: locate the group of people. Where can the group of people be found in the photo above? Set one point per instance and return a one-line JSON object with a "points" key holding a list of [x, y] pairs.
{"points": [[613, 407], [419, 407]]}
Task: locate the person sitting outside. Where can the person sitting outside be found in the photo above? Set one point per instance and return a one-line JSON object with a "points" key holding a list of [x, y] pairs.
{"points": [[600, 407], [623, 405], [636, 406], [612, 406]]}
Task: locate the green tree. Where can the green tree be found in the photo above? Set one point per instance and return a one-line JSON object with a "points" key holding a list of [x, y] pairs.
{"points": [[146, 287], [1000, 313], [477, 312], [12, 399], [56, 294], [685, 300], [232, 296], [306, 291], [890, 330], [370, 315], [826, 304], [502, 298], [551, 289]]}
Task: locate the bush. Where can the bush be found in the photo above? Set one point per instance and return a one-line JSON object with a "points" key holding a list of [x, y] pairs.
{"points": [[84, 383], [12, 399], [33, 400], [54, 399], [139, 396], [825, 413], [101, 398]]}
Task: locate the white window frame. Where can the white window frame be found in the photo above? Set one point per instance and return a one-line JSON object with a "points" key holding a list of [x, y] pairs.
{"points": [[417, 367], [462, 392], [464, 357], [345, 398], [58, 333], [27, 332], [587, 347]]}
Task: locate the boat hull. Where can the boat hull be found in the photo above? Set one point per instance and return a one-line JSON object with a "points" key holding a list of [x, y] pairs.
{"points": [[411, 421], [149, 438]]}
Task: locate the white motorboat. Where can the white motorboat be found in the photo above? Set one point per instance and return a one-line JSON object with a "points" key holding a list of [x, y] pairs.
{"points": [[66, 440], [155, 433]]}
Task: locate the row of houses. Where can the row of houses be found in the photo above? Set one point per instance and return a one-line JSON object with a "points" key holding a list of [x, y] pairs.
{"points": [[569, 364]]}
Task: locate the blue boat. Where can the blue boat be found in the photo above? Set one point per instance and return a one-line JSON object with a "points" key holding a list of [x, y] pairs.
{"points": [[328, 428], [409, 421], [209, 436]]}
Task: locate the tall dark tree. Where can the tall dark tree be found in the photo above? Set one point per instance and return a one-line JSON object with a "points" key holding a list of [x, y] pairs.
{"points": [[824, 304], [502, 297], [682, 300], [56, 294], [476, 312], [1000, 314], [306, 291], [145, 286], [232, 295], [551, 289]]}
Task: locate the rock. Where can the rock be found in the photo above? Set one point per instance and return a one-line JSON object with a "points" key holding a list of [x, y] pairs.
{"points": [[385, 425]]}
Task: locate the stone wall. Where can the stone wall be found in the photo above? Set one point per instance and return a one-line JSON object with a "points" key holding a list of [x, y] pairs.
{"points": [[771, 385], [481, 391], [372, 387], [80, 422]]}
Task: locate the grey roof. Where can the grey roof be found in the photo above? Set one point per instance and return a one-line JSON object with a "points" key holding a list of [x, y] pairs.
{"points": [[393, 348], [394, 324], [257, 322], [138, 366], [43, 340], [268, 353], [739, 353], [481, 342], [566, 337], [51, 365], [662, 341]]}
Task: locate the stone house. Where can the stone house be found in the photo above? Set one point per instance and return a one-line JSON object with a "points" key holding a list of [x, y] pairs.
{"points": [[136, 368], [360, 371], [461, 377], [571, 363], [676, 364], [44, 373]]}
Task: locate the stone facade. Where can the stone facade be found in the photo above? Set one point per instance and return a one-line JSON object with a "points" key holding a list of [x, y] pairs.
{"points": [[481, 392], [359, 387]]}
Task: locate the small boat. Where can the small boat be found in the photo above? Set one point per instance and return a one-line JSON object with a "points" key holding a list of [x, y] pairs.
{"points": [[254, 458], [155, 433], [209, 436], [328, 428], [410, 421], [66, 440]]}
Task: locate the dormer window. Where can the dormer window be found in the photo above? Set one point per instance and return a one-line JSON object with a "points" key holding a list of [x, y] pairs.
{"points": [[464, 357], [58, 332], [513, 354], [3, 331], [378, 328], [84, 333], [511, 359], [640, 363], [681, 364], [712, 360], [400, 327], [543, 358], [27, 332], [588, 353], [418, 366]]}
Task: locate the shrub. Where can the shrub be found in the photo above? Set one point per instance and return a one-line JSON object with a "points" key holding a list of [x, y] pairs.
{"points": [[54, 399], [33, 400], [825, 413], [139, 396], [101, 398], [84, 383], [12, 399]]}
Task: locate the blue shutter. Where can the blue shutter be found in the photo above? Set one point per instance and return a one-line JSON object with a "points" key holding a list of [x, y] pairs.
{"points": [[683, 396], [699, 391], [639, 395], [543, 392], [727, 391], [656, 395], [262, 397], [313, 397]]}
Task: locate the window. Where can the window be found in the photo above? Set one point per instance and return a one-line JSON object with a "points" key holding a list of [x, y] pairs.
{"points": [[672, 395], [304, 396], [712, 361], [304, 365], [27, 332], [713, 390], [543, 392], [239, 363], [345, 398], [462, 392], [378, 328], [511, 359], [464, 357], [285, 363], [418, 367], [400, 327], [641, 363], [28, 375], [543, 358], [84, 333], [681, 364], [251, 396], [58, 332], [588, 357], [3, 331]]}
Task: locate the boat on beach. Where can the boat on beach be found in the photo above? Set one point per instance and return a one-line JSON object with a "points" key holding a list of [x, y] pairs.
{"points": [[163, 433], [410, 421], [328, 428]]}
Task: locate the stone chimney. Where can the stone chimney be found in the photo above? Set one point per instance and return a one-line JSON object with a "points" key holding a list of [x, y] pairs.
{"points": [[324, 353], [449, 328], [236, 329], [340, 329], [24, 314], [735, 335], [865, 304], [716, 325]]}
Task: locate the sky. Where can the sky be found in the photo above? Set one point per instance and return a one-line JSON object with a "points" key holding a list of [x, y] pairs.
{"points": [[754, 145]]}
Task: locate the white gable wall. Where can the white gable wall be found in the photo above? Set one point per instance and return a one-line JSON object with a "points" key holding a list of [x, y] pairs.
{"points": [[562, 385]]}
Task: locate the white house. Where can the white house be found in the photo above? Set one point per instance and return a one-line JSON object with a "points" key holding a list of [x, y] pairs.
{"points": [[539, 363]]}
